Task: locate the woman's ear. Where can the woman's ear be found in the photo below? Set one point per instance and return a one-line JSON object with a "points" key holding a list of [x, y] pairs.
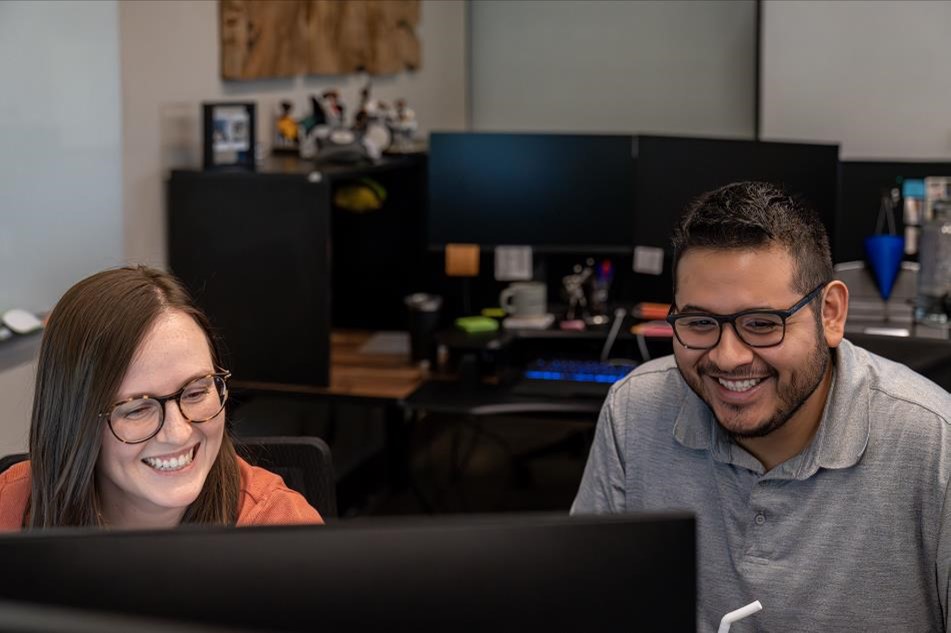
{"points": [[835, 310]]}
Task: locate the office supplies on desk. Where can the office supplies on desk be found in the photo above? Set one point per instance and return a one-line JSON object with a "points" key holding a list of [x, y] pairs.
{"points": [[652, 328], [388, 343], [652, 311], [539, 322], [525, 299], [424, 312], [476, 324]]}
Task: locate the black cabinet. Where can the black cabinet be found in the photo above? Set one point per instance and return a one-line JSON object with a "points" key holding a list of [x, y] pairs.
{"points": [[254, 251], [275, 263]]}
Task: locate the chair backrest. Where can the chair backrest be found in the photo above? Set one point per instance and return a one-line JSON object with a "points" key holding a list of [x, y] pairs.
{"points": [[10, 460], [304, 463]]}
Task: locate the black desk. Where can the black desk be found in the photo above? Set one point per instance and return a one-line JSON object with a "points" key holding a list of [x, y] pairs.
{"points": [[483, 399]]}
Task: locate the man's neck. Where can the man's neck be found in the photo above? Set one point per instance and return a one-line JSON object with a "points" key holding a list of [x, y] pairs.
{"points": [[795, 435]]}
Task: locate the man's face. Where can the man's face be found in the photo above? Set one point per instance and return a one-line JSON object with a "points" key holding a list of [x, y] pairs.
{"points": [[751, 391]]}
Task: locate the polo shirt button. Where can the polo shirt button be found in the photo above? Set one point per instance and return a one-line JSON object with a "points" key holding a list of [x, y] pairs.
{"points": [[760, 519]]}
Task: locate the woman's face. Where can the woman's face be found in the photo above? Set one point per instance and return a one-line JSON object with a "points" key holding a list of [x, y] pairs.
{"points": [[152, 483]]}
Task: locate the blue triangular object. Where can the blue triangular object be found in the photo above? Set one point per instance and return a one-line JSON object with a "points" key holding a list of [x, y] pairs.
{"points": [[884, 253]]}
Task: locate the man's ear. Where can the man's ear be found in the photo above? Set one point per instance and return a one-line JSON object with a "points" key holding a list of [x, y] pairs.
{"points": [[835, 310]]}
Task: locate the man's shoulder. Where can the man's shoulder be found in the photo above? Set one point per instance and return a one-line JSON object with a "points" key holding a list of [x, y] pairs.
{"points": [[657, 380], [896, 388]]}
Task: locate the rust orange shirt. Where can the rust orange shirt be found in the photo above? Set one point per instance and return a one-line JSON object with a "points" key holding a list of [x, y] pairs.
{"points": [[264, 498]]}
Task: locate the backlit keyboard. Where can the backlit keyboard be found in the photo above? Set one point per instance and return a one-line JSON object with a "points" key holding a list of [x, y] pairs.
{"points": [[582, 371]]}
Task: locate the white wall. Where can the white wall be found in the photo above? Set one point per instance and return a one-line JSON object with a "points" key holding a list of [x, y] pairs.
{"points": [[680, 67], [60, 168], [873, 76], [16, 404], [170, 64]]}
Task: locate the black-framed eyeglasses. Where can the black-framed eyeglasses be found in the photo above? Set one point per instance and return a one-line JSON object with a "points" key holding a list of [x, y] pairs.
{"points": [[756, 328], [139, 419]]}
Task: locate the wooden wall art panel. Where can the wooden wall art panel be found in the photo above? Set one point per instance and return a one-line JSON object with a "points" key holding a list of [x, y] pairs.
{"points": [[263, 39]]}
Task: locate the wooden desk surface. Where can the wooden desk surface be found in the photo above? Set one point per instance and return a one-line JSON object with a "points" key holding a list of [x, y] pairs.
{"points": [[355, 374]]}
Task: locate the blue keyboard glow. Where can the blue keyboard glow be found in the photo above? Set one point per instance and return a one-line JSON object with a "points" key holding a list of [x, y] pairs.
{"points": [[577, 371]]}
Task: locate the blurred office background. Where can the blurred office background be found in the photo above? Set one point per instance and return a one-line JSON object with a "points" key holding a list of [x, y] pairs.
{"points": [[100, 100]]}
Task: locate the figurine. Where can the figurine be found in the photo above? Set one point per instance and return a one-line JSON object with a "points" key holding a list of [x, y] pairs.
{"points": [[402, 122], [286, 128], [574, 289]]}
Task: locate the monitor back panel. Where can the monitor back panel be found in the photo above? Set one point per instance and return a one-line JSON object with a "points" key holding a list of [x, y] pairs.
{"points": [[501, 574]]}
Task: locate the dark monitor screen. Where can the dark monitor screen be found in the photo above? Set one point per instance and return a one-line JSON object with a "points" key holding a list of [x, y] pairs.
{"points": [[555, 192], [673, 171], [504, 573]]}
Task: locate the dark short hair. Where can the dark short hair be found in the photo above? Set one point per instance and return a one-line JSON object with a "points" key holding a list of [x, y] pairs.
{"points": [[757, 215], [90, 340]]}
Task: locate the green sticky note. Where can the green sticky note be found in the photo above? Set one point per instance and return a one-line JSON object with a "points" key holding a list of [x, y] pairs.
{"points": [[477, 324]]}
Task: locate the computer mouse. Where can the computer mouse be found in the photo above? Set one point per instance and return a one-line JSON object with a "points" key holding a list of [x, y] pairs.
{"points": [[21, 321]]}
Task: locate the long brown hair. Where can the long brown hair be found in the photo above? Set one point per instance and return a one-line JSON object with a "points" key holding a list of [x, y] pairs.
{"points": [[89, 342]]}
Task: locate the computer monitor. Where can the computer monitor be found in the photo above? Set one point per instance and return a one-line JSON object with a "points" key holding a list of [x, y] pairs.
{"points": [[672, 171], [554, 192], [502, 573]]}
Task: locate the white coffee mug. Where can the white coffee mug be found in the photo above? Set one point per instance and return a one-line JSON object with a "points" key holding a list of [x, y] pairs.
{"points": [[525, 298]]}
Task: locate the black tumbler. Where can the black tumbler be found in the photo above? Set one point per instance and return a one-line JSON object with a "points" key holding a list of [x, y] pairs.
{"points": [[424, 311]]}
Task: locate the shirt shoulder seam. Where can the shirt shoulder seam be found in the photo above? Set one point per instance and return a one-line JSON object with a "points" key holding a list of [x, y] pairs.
{"points": [[911, 402]]}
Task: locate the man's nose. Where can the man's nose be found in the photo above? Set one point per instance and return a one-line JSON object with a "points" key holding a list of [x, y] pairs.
{"points": [[730, 352]]}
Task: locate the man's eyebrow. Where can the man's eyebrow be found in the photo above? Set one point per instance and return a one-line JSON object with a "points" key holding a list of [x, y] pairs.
{"points": [[695, 308]]}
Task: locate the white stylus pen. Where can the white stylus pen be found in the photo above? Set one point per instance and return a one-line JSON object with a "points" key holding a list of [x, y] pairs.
{"points": [[739, 614]]}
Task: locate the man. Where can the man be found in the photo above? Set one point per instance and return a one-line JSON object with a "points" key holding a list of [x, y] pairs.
{"points": [[818, 472]]}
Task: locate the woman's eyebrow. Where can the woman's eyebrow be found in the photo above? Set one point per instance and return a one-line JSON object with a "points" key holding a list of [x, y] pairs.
{"points": [[140, 394]]}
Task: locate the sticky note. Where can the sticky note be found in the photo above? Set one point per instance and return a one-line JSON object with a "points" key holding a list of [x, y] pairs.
{"points": [[462, 260], [649, 260], [513, 263]]}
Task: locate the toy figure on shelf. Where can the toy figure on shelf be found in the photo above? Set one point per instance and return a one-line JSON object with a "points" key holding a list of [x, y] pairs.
{"points": [[574, 290], [324, 137], [402, 123], [377, 126], [332, 108], [286, 129]]}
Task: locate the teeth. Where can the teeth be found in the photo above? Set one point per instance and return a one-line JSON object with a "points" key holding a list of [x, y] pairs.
{"points": [[176, 463], [740, 385]]}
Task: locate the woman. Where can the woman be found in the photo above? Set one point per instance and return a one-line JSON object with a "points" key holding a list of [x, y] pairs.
{"points": [[128, 427]]}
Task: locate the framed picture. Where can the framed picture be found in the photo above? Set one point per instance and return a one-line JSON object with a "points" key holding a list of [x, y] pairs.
{"points": [[229, 135]]}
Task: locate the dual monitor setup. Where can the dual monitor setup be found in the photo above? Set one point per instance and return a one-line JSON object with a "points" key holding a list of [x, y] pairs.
{"points": [[590, 194]]}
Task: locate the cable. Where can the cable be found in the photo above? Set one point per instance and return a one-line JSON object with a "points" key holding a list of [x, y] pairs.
{"points": [[612, 335]]}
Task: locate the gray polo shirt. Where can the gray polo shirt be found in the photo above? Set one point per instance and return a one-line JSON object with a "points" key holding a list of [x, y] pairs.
{"points": [[852, 534]]}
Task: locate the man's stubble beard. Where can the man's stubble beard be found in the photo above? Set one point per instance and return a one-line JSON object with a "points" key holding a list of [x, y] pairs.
{"points": [[791, 398]]}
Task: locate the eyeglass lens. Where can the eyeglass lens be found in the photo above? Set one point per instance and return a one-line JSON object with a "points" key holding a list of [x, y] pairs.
{"points": [[756, 329], [200, 400]]}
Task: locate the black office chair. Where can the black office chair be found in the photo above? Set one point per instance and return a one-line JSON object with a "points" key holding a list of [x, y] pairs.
{"points": [[304, 463], [10, 460]]}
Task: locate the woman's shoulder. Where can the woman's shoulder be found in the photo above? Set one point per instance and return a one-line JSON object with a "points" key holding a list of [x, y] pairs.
{"points": [[266, 500], [14, 495]]}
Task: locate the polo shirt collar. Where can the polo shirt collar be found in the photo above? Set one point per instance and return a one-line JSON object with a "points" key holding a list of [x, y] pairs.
{"points": [[839, 442]]}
